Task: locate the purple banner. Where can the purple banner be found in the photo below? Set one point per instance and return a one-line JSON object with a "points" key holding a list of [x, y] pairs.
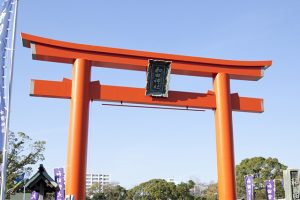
{"points": [[270, 189], [60, 180], [249, 186], [34, 196]]}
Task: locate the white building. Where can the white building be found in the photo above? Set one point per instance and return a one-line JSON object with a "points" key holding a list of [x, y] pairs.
{"points": [[101, 179]]}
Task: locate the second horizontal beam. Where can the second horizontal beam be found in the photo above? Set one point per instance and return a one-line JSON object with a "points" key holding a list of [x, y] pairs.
{"points": [[62, 89]]}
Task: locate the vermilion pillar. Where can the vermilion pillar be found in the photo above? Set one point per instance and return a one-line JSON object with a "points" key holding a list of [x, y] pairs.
{"points": [[78, 130], [224, 138]]}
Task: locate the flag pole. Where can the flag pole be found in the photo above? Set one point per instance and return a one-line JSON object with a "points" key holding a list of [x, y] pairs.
{"points": [[24, 189], [5, 145]]}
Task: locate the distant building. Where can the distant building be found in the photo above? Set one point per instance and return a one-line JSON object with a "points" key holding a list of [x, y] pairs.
{"points": [[198, 189], [101, 179], [172, 180]]}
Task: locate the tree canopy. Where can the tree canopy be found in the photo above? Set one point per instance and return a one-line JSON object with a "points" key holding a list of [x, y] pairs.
{"points": [[108, 191], [22, 154], [211, 192], [161, 189], [155, 189], [262, 169]]}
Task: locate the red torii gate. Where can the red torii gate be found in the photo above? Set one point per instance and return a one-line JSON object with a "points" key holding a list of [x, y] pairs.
{"points": [[81, 91]]}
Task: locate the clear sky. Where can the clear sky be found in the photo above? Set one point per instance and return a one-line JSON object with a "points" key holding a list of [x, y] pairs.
{"points": [[122, 141]]}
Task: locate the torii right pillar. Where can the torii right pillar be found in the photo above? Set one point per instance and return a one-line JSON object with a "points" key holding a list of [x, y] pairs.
{"points": [[224, 137]]}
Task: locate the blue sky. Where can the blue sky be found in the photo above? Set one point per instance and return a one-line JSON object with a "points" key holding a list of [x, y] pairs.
{"points": [[121, 141]]}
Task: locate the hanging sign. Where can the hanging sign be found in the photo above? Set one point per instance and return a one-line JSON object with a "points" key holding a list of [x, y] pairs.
{"points": [[158, 77]]}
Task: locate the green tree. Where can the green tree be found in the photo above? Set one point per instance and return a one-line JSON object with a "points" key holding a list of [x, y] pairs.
{"points": [[211, 191], [184, 190], [159, 189], [155, 189], [114, 191], [99, 196], [109, 191], [262, 169], [95, 189], [22, 154], [199, 189]]}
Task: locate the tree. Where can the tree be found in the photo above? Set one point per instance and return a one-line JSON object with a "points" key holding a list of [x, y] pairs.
{"points": [[153, 190], [211, 191], [184, 190], [199, 189], [22, 153], [114, 191], [262, 169], [159, 189], [95, 189], [99, 196], [108, 191]]}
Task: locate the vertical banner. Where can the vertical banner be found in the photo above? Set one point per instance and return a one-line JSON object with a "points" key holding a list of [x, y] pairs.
{"points": [[270, 189], [249, 186], [34, 196], [60, 180], [6, 59], [6, 11]]}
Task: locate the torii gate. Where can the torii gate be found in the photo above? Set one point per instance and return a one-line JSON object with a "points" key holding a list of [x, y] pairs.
{"points": [[81, 91]]}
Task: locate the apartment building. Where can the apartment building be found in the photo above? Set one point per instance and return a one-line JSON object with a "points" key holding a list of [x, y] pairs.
{"points": [[101, 179]]}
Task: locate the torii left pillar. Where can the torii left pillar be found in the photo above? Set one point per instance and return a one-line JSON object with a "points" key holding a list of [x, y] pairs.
{"points": [[78, 130]]}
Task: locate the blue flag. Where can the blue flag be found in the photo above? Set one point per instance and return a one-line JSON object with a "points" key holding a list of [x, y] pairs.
{"points": [[5, 14], [20, 178]]}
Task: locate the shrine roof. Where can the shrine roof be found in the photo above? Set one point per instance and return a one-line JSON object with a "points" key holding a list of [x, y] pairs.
{"points": [[42, 177]]}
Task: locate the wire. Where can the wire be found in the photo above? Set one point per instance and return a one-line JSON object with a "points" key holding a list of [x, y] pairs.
{"points": [[153, 107]]}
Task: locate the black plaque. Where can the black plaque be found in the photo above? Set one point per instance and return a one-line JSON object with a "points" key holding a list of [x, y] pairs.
{"points": [[158, 77]]}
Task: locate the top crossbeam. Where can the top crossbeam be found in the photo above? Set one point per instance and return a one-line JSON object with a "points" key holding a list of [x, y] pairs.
{"points": [[65, 52]]}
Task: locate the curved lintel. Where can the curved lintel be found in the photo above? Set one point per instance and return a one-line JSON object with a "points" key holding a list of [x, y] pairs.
{"points": [[66, 52]]}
